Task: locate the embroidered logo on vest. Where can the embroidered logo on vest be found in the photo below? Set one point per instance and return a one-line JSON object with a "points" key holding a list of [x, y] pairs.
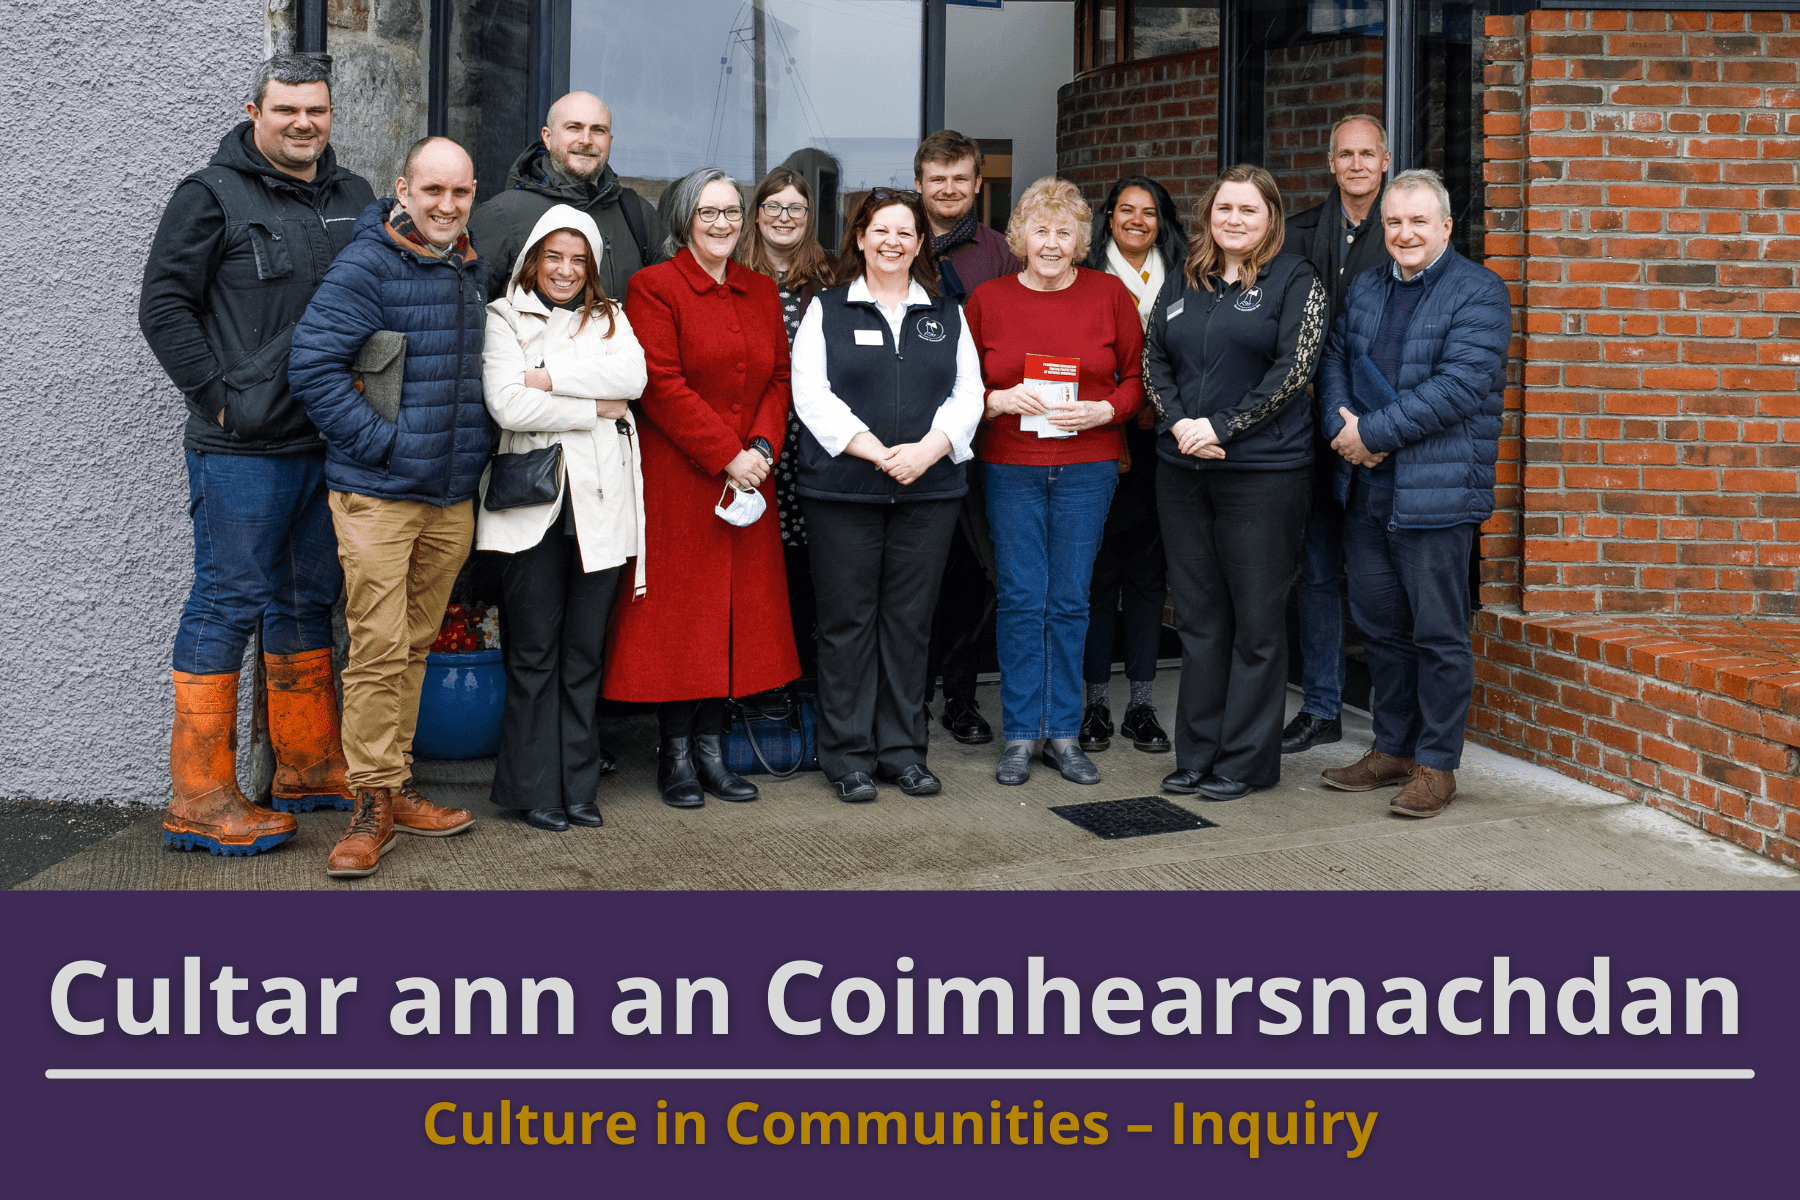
{"points": [[931, 329], [1250, 301]]}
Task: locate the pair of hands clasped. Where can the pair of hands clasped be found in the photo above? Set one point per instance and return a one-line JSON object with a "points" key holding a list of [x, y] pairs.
{"points": [[903, 463], [1348, 443], [1024, 401]]}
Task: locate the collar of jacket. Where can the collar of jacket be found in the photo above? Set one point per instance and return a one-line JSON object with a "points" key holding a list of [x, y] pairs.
{"points": [[737, 276], [237, 150], [1426, 275], [1331, 221], [859, 293]]}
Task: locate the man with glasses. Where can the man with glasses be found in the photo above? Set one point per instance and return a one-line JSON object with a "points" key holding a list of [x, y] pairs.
{"points": [[567, 165]]}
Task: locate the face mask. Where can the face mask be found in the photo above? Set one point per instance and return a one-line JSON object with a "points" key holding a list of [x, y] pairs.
{"points": [[743, 508]]}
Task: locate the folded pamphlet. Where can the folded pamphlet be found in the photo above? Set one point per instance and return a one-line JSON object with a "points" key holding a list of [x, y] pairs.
{"points": [[1058, 381]]}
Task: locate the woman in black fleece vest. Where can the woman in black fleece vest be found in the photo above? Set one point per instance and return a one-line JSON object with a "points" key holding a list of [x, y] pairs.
{"points": [[888, 389], [1226, 364]]}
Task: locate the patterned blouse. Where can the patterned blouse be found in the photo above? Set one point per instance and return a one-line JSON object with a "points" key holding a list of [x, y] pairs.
{"points": [[787, 473]]}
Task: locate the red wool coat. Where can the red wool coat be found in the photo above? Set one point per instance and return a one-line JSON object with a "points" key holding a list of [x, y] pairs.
{"points": [[714, 620]]}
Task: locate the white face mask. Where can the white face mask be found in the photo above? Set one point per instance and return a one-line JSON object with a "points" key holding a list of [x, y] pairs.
{"points": [[744, 508]]}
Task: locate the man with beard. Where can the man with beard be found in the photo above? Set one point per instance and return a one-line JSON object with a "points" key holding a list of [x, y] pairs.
{"points": [[947, 174], [242, 247], [567, 165]]}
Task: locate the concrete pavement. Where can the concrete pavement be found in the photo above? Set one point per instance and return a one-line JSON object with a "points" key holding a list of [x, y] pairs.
{"points": [[1513, 826]]}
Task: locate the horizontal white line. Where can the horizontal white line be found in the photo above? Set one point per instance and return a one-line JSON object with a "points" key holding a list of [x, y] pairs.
{"points": [[896, 1073]]}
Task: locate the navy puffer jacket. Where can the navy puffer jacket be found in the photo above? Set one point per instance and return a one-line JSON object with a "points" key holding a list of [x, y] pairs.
{"points": [[435, 452], [1443, 428]]}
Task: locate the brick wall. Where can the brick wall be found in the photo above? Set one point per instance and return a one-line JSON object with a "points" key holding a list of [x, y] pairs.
{"points": [[1307, 89], [1653, 257], [1640, 172], [1159, 119]]}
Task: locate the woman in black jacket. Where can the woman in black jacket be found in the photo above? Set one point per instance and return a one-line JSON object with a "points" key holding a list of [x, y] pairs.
{"points": [[1226, 364], [888, 389]]}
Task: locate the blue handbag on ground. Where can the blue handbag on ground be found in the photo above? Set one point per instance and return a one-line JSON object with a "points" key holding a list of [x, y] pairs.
{"points": [[772, 733]]}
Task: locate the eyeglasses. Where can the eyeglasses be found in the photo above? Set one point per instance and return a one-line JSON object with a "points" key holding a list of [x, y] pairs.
{"points": [[710, 215], [771, 209], [894, 194]]}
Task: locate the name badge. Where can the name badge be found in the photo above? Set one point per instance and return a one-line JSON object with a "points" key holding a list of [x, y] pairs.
{"points": [[868, 337], [1176, 309]]}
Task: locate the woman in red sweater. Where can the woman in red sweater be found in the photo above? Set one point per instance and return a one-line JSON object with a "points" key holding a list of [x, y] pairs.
{"points": [[713, 620], [1050, 473]]}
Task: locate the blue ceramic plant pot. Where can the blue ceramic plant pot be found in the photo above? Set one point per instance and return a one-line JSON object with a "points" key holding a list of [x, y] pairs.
{"points": [[459, 709]]}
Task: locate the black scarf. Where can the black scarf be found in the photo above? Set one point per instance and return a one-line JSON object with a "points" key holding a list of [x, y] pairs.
{"points": [[962, 231]]}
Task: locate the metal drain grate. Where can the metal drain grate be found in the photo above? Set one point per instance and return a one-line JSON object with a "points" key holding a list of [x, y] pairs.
{"points": [[1136, 817]]}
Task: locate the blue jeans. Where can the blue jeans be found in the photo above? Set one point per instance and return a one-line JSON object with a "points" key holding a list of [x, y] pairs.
{"points": [[1409, 595], [1046, 524], [264, 551], [1322, 606]]}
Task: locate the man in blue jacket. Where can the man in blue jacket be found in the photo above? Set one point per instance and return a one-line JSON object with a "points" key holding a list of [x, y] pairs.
{"points": [[1410, 398], [401, 490]]}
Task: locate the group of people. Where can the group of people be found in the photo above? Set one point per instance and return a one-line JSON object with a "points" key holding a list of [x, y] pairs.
{"points": [[1048, 430]]}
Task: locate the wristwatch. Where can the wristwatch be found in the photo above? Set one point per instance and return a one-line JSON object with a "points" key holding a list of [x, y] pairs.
{"points": [[762, 447]]}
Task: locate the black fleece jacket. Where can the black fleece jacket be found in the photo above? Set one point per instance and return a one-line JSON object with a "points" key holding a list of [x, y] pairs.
{"points": [[1241, 358]]}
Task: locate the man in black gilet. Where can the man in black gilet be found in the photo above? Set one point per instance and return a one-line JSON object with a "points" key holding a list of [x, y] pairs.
{"points": [[241, 248]]}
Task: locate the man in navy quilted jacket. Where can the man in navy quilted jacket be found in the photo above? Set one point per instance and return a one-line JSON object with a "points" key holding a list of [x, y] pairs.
{"points": [[1410, 396], [401, 490]]}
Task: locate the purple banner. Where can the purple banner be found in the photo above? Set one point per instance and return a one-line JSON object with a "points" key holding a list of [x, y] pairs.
{"points": [[1066, 1043]]}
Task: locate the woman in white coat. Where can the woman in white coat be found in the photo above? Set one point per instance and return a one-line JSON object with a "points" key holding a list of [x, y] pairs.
{"points": [[558, 366]]}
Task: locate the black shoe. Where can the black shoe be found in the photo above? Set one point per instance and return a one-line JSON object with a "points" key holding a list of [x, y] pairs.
{"points": [[584, 814], [715, 776], [1146, 733], [550, 819], [606, 763], [1014, 766], [855, 788], [914, 780], [1096, 728], [675, 777], [1217, 787], [964, 721], [1306, 731], [1184, 782]]}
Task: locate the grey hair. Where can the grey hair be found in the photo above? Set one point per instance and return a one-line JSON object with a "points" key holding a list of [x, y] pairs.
{"points": [[676, 208], [1407, 181], [291, 69], [1331, 145]]}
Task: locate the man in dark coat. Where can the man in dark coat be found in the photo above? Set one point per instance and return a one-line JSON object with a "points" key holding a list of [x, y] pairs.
{"points": [[1342, 239], [1410, 394], [402, 487], [947, 175], [240, 250], [567, 165]]}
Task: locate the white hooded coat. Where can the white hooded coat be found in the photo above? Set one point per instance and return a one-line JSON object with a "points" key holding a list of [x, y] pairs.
{"points": [[602, 475]]}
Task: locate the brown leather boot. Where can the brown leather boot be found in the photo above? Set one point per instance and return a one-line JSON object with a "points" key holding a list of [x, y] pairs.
{"points": [[1369, 772], [208, 810], [303, 724], [1428, 793], [371, 835], [413, 813]]}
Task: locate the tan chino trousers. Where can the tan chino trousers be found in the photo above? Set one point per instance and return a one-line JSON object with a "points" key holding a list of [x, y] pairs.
{"points": [[400, 560]]}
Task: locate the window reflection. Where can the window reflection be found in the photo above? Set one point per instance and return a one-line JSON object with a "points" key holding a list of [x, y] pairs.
{"points": [[746, 86]]}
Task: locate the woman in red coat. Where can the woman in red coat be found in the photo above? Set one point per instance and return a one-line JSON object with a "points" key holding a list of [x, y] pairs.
{"points": [[713, 620]]}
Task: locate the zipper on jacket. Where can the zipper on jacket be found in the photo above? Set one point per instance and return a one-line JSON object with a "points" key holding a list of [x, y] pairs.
{"points": [[893, 485]]}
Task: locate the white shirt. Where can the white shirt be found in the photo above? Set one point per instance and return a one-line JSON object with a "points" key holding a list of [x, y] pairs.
{"points": [[830, 419]]}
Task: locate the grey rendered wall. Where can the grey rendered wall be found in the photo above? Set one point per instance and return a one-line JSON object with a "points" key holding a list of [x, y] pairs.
{"points": [[107, 105]]}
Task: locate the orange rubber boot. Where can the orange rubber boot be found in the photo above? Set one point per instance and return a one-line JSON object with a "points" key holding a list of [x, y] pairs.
{"points": [[208, 810], [303, 724]]}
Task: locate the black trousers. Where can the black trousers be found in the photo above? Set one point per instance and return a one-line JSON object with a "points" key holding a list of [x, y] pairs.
{"points": [[963, 623], [1130, 583], [798, 560], [554, 647], [1233, 540], [876, 570]]}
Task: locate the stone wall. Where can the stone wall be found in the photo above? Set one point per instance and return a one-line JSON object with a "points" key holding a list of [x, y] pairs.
{"points": [[94, 537]]}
